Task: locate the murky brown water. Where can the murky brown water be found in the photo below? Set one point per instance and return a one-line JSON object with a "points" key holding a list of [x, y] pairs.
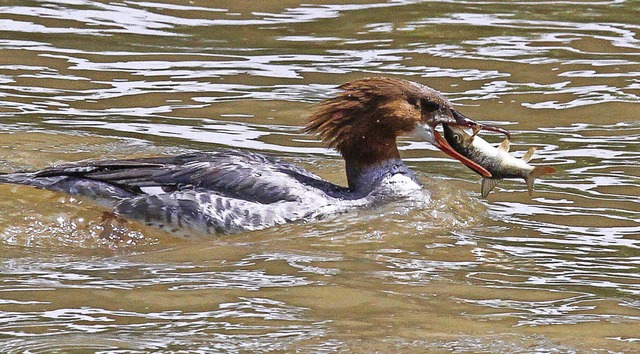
{"points": [[558, 272]]}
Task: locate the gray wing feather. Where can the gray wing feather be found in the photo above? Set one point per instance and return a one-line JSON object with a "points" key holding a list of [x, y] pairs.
{"points": [[230, 173]]}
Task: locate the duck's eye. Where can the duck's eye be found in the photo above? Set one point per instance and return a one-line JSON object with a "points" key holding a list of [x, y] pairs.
{"points": [[414, 102], [429, 106]]}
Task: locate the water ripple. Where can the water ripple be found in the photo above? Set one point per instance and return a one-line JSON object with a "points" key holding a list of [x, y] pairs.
{"points": [[198, 76]]}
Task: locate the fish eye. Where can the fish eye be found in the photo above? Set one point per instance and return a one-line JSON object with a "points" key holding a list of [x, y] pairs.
{"points": [[456, 137]]}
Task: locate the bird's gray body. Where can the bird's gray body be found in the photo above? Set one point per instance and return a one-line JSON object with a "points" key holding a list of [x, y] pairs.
{"points": [[219, 192]]}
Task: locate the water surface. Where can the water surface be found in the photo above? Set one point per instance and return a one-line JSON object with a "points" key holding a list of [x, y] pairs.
{"points": [[556, 272]]}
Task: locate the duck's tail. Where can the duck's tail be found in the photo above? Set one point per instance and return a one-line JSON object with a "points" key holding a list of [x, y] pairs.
{"points": [[25, 178], [102, 192]]}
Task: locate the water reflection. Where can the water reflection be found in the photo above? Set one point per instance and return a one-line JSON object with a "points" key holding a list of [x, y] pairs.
{"points": [[220, 330]]}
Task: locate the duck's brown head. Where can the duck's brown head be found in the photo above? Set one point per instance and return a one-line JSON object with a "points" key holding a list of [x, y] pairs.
{"points": [[363, 121]]}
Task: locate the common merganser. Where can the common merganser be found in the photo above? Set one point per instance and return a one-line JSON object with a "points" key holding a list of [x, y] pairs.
{"points": [[233, 191]]}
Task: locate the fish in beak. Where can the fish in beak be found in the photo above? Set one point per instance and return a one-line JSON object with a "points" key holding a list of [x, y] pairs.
{"points": [[498, 161], [429, 133], [443, 145]]}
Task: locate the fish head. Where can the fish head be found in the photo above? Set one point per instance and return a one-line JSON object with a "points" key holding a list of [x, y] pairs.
{"points": [[457, 137], [456, 144]]}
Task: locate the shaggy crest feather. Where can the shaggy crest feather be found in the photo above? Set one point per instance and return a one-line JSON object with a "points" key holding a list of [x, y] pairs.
{"points": [[338, 120]]}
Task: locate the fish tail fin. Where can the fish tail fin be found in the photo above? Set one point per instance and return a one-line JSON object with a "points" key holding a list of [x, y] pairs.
{"points": [[488, 184], [536, 173]]}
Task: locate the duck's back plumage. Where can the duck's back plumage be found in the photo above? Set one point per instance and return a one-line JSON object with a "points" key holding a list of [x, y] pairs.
{"points": [[226, 191], [238, 174]]}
